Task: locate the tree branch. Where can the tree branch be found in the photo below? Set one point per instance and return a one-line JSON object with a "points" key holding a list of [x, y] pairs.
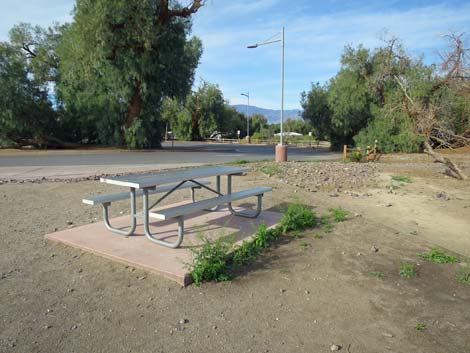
{"points": [[164, 13]]}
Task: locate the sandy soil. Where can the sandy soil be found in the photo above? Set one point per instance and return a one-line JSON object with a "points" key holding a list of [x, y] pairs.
{"points": [[302, 295]]}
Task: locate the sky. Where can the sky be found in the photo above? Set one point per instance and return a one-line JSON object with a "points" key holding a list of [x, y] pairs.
{"points": [[315, 35]]}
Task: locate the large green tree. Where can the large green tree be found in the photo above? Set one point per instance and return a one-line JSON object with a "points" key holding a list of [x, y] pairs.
{"points": [[316, 111], [28, 72], [119, 59]]}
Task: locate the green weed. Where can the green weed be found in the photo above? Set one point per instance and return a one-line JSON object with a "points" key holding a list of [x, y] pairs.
{"points": [[379, 275], [240, 161], [271, 169], [437, 256], [210, 261], [284, 270], [463, 275], [317, 236], [298, 217], [407, 270], [339, 214], [420, 326], [304, 244], [401, 178]]}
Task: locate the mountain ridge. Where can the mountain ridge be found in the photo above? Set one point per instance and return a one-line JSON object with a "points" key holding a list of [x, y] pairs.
{"points": [[273, 115]]}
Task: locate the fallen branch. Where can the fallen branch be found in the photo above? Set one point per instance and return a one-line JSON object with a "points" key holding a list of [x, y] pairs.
{"points": [[455, 170]]}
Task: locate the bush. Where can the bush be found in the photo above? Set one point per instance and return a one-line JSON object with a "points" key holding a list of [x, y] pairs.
{"points": [[391, 137], [210, 261], [298, 217]]}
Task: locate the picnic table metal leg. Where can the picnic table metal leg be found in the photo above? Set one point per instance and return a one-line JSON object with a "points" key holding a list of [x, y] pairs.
{"points": [[243, 214], [149, 234], [217, 188], [133, 217]]}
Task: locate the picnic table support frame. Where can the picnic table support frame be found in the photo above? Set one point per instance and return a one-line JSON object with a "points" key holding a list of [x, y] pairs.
{"points": [[149, 234], [243, 214], [131, 230]]}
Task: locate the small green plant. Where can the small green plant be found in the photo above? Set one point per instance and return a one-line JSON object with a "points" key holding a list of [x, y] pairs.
{"points": [[304, 244], [407, 270], [240, 161], [284, 270], [401, 178], [327, 228], [420, 326], [298, 217], [438, 256], [317, 235], [339, 214], [210, 261], [463, 275], [379, 275], [270, 169]]}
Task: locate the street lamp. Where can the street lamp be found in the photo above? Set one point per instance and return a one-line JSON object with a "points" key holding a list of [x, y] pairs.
{"points": [[281, 149], [247, 95]]}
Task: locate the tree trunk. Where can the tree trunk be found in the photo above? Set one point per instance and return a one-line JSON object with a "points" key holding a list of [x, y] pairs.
{"points": [[455, 171], [135, 105]]}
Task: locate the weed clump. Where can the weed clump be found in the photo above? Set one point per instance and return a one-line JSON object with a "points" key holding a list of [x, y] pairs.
{"points": [[464, 275], [298, 217], [437, 256], [401, 178], [339, 214], [407, 270], [270, 170]]}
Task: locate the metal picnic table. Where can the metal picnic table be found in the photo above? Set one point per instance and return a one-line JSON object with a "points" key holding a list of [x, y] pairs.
{"points": [[145, 184]]}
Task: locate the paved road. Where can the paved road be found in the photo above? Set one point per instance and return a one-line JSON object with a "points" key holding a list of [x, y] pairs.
{"points": [[79, 163]]}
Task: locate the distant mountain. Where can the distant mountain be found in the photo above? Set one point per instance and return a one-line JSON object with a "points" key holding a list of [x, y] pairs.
{"points": [[274, 116]]}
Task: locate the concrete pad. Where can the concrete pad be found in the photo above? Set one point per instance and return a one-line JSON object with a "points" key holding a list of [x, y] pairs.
{"points": [[138, 251]]}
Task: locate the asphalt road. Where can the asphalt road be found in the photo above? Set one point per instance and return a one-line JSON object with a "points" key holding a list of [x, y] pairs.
{"points": [[73, 163]]}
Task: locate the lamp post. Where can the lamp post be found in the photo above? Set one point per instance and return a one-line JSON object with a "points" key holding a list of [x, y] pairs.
{"points": [[281, 149], [247, 95]]}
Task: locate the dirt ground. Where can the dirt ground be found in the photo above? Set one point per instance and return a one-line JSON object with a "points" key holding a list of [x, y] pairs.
{"points": [[302, 295]]}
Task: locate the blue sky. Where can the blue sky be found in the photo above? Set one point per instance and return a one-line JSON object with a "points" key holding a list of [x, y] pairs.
{"points": [[316, 32]]}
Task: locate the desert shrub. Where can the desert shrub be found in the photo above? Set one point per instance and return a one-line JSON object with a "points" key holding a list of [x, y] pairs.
{"points": [[210, 261], [298, 217]]}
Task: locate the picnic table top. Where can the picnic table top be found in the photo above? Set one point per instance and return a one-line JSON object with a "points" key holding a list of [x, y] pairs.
{"points": [[140, 181]]}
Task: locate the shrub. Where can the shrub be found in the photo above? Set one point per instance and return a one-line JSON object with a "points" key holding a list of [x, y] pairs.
{"points": [[298, 217], [210, 261]]}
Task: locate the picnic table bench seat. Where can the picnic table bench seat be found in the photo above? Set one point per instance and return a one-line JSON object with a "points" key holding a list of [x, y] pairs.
{"points": [[185, 209], [101, 199]]}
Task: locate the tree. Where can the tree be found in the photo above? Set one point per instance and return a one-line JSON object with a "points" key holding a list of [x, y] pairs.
{"points": [[26, 113], [119, 59], [316, 110], [258, 122]]}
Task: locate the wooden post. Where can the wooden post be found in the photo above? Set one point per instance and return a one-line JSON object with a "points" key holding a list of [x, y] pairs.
{"points": [[368, 154], [345, 153], [375, 149]]}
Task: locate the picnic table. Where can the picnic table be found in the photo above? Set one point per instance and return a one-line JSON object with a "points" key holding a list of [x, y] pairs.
{"points": [[167, 182]]}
